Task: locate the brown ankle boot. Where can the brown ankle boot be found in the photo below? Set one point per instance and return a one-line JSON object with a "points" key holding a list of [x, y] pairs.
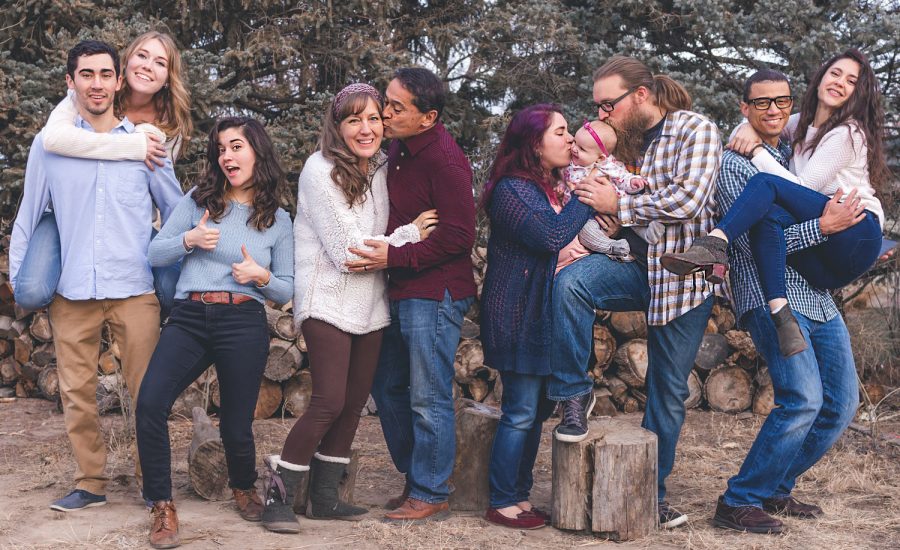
{"points": [[249, 504], [164, 525]]}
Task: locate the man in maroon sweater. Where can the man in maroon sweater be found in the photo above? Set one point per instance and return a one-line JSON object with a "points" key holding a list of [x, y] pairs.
{"points": [[431, 287]]}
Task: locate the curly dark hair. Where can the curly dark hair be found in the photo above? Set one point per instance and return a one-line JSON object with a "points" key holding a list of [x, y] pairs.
{"points": [[268, 176], [861, 112]]}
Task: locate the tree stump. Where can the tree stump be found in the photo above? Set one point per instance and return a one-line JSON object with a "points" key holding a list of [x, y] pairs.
{"points": [[269, 399], [345, 487], [631, 358], [284, 360], [606, 484], [297, 393], [207, 470], [604, 346], [764, 398], [48, 383], [629, 324], [475, 427], [728, 389], [695, 389], [193, 396]]}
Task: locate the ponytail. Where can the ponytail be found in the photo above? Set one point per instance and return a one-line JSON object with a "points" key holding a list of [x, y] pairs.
{"points": [[668, 94]]}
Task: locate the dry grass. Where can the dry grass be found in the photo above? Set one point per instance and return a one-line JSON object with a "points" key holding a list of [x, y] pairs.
{"points": [[858, 484]]}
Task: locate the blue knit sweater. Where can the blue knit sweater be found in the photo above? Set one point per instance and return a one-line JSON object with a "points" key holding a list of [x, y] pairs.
{"points": [[526, 237]]}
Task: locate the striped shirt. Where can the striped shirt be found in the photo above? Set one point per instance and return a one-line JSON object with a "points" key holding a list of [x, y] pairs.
{"points": [[680, 166], [813, 303]]}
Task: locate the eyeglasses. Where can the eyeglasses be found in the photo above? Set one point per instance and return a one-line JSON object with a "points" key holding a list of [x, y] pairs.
{"points": [[763, 103], [608, 105]]}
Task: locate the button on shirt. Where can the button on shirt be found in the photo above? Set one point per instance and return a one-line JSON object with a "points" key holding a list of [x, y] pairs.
{"points": [[813, 303], [103, 210]]}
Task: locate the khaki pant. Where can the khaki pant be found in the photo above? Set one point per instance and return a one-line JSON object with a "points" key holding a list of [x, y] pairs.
{"points": [[77, 326]]}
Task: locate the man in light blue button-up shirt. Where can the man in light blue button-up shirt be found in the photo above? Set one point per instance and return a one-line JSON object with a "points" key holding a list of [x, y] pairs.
{"points": [[103, 210]]}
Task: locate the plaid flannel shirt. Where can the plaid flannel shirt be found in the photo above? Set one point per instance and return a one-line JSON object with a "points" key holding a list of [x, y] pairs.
{"points": [[680, 166], [813, 303]]}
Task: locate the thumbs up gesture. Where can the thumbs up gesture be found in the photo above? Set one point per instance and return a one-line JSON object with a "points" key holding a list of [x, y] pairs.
{"points": [[248, 271], [202, 236]]}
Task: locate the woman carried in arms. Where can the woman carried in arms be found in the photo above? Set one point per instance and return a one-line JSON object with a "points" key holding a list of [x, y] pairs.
{"points": [[838, 150]]}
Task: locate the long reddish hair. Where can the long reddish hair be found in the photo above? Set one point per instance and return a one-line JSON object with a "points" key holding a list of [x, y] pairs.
{"points": [[517, 155]]}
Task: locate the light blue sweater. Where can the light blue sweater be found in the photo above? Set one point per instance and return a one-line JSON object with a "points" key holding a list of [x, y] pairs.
{"points": [[204, 270]]}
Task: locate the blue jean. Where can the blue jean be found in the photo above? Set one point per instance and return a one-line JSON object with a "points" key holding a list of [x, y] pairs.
{"points": [[525, 407], [413, 390], [597, 282], [42, 266], [236, 339], [816, 397], [767, 205]]}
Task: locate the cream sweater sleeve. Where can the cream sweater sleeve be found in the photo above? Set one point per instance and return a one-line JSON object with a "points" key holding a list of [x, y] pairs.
{"points": [[835, 152], [62, 137]]}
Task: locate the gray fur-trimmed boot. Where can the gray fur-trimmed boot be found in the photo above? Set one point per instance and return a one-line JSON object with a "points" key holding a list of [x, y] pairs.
{"points": [[325, 476], [284, 477]]}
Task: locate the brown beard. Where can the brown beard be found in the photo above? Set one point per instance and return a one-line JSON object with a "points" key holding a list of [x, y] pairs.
{"points": [[630, 133]]}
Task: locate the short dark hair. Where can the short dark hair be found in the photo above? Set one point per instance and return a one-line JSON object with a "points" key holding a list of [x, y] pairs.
{"points": [[426, 88], [88, 48], [764, 75]]}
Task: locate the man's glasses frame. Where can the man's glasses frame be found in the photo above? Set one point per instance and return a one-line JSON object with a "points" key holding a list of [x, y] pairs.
{"points": [[763, 103], [610, 104]]}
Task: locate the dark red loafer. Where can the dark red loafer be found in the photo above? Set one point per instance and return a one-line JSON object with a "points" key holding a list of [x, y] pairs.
{"points": [[525, 520], [541, 514]]}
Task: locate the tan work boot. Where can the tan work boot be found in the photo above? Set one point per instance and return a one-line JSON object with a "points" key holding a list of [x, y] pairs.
{"points": [[164, 525], [416, 511], [249, 504]]}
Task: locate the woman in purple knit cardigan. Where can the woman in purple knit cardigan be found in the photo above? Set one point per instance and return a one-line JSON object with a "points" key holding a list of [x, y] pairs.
{"points": [[529, 228]]}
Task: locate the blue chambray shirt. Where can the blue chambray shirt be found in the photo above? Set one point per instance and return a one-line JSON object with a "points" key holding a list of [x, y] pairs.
{"points": [[104, 211], [815, 304]]}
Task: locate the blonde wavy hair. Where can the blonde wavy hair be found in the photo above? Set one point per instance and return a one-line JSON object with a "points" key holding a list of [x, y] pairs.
{"points": [[173, 101]]}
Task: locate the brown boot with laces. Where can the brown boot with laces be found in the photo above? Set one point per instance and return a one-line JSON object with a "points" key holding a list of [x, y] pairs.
{"points": [[249, 504], [164, 525]]}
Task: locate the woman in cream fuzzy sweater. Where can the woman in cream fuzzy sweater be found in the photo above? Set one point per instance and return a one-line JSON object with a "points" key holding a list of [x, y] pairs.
{"points": [[342, 201]]}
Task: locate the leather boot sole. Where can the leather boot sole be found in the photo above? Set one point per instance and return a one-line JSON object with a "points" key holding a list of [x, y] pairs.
{"points": [[439, 516], [174, 544], [727, 524]]}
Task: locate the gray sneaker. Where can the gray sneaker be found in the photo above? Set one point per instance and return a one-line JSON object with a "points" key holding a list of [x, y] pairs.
{"points": [[76, 500], [574, 426]]}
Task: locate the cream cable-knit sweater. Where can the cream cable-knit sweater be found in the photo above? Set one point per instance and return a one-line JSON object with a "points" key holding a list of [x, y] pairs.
{"points": [[324, 229], [839, 162], [62, 137]]}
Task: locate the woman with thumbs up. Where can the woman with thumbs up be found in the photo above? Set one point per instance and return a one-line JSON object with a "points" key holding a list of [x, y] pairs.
{"points": [[237, 251]]}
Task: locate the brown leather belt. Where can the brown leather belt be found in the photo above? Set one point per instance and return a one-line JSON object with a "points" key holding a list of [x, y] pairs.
{"points": [[220, 297]]}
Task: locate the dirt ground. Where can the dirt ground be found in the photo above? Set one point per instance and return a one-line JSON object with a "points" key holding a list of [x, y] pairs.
{"points": [[857, 483]]}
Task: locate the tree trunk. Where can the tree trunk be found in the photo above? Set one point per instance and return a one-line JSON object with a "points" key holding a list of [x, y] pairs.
{"points": [[475, 427], [269, 399], [297, 393], [728, 389], [284, 360], [207, 470], [631, 358]]}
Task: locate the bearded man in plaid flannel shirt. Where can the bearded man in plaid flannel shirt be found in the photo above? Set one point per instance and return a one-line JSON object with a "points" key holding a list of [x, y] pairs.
{"points": [[678, 153]]}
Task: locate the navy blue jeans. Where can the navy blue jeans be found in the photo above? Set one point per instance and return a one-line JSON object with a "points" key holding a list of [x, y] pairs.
{"points": [[236, 339], [42, 266], [597, 282], [816, 397], [525, 407], [767, 205], [413, 390]]}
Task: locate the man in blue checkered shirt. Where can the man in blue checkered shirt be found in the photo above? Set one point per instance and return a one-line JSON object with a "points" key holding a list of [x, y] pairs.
{"points": [[816, 393]]}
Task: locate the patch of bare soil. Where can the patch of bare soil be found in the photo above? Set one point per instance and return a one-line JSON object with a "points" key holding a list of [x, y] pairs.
{"points": [[858, 484]]}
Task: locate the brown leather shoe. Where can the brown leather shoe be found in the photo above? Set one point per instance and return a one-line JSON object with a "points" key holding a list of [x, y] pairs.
{"points": [[249, 505], [415, 510], [745, 518], [398, 501], [790, 506], [164, 526]]}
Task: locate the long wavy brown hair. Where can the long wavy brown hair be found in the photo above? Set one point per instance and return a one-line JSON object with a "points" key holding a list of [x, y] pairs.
{"points": [[346, 173], [173, 101], [861, 112], [268, 176]]}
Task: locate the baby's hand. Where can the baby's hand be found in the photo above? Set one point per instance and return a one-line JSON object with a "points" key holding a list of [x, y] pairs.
{"points": [[636, 185]]}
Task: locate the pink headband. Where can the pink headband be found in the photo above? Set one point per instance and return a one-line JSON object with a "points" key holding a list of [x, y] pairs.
{"points": [[342, 96], [587, 126]]}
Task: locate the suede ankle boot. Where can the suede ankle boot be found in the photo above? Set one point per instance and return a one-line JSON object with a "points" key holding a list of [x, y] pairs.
{"points": [[325, 477], [278, 514]]}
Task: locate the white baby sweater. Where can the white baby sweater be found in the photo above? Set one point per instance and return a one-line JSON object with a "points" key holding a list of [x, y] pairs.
{"points": [[839, 162], [324, 229]]}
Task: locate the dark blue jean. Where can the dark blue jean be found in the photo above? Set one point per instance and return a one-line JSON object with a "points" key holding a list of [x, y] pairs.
{"points": [[767, 205], [236, 339], [816, 397], [413, 390], [42, 266], [525, 407], [597, 282]]}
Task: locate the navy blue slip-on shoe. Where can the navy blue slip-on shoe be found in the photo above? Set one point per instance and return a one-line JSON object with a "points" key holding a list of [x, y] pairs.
{"points": [[76, 500]]}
